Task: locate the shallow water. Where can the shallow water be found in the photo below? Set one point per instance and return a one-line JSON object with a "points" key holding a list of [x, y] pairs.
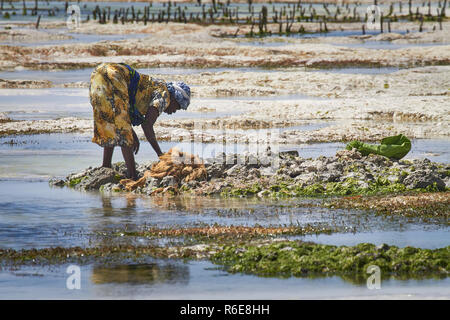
{"points": [[53, 103], [36, 104], [375, 45], [74, 38], [388, 45], [358, 70], [335, 33], [35, 215], [69, 76], [168, 279], [45, 155]]}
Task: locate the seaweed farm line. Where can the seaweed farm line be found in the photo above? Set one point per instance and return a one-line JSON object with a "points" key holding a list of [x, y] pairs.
{"points": [[283, 15], [207, 12]]}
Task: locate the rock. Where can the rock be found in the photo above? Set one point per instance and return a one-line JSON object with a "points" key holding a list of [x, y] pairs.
{"points": [[168, 181], [215, 170], [348, 154], [145, 166], [309, 166], [288, 154], [253, 173], [120, 168], [111, 187], [152, 183], [95, 179], [265, 161], [308, 179], [296, 171], [379, 160], [267, 171], [331, 176], [335, 166], [57, 182], [106, 187], [383, 247], [230, 160], [235, 170], [423, 179], [447, 182]]}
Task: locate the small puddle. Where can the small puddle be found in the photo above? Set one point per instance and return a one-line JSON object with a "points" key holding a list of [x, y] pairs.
{"points": [[358, 70], [42, 104], [337, 33], [75, 37], [388, 45]]}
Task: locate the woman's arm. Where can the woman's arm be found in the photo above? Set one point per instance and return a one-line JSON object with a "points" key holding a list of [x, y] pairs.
{"points": [[135, 142], [147, 127]]}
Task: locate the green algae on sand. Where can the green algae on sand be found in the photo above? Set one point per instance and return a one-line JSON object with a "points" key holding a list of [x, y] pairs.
{"points": [[300, 259]]}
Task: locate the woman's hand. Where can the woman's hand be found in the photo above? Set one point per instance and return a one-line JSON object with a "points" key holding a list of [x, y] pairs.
{"points": [[136, 143]]}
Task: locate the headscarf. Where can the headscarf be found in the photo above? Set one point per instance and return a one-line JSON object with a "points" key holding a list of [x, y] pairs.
{"points": [[181, 92]]}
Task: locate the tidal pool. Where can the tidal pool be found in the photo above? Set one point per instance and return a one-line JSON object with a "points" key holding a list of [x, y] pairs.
{"points": [[358, 70], [36, 104], [74, 38], [388, 45], [35, 215]]}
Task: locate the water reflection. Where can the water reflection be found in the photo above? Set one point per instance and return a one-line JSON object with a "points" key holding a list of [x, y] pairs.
{"points": [[150, 274]]}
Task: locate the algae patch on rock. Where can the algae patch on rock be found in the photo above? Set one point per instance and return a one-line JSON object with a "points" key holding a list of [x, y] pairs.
{"points": [[283, 175]]}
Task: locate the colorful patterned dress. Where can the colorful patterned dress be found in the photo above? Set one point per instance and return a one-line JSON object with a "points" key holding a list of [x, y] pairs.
{"points": [[114, 111]]}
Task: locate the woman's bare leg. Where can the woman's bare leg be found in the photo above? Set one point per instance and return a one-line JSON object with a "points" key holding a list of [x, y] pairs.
{"points": [[128, 156], [107, 156]]}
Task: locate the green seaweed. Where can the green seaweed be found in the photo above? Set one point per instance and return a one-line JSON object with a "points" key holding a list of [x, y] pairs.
{"points": [[299, 259]]}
